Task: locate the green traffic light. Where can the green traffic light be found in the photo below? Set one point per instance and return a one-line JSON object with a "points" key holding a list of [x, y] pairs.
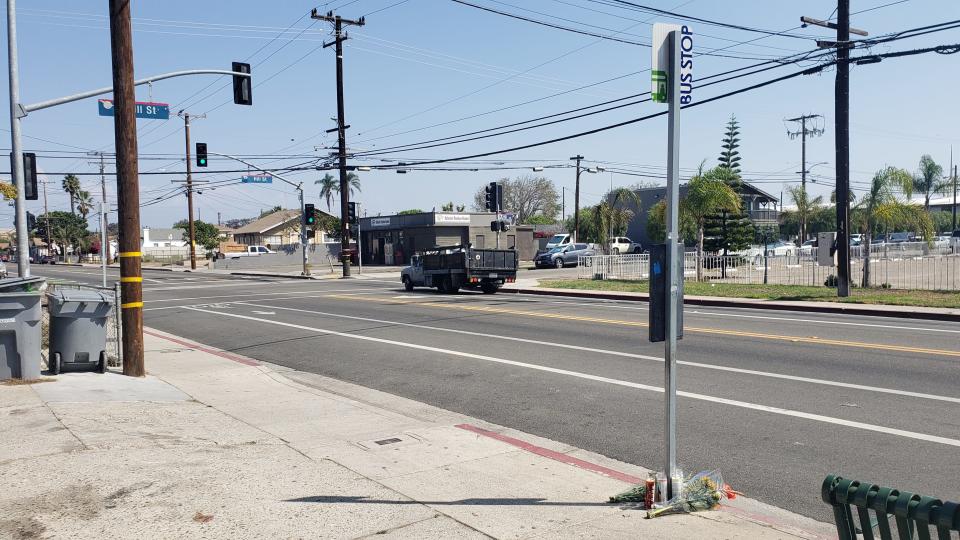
{"points": [[203, 161]]}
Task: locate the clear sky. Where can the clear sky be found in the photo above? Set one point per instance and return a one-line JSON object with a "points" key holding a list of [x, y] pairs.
{"points": [[420, 63]]}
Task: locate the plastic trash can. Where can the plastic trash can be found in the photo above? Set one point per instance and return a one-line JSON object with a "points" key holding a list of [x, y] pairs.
{"points": [[78, 329], [20, 337]]}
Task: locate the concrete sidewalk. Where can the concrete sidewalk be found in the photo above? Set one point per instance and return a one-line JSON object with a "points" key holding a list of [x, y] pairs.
{"points": [[215, 445]]}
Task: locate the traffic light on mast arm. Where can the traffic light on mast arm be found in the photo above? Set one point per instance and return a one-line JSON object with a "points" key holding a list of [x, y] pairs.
{"points": [[242, 86], [201, 154], [491, 197], [309, 214], [352, 213], [30, 192]]}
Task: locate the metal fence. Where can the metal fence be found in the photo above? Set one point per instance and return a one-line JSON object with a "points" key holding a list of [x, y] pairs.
{"points": [[114, 349], [897, 270]]}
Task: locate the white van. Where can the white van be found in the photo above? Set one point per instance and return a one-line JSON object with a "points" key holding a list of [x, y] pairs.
{"points": [[558, 240]]}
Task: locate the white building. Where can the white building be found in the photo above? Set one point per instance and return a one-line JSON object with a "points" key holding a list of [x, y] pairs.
{"points": [[158, 239]]}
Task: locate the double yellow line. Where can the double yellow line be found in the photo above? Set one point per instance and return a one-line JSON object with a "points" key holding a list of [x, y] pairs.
{"points": [[620, 322]]}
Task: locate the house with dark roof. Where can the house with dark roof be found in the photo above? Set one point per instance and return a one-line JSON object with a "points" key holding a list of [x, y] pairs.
{"points": [[277, 229]]}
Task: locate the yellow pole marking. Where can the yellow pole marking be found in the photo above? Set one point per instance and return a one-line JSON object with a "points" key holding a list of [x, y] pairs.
{"points": [[131, 280], [694, 329], [129, 254], [131, 305]]}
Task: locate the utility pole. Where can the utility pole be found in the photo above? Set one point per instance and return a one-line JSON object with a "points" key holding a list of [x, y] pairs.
{"points": [[813, 132], [190, 230], [576, 201], [16, 153], [841, 92], [338, 38], [954, 169], [104, 235], [128, 187], [46, 215]]}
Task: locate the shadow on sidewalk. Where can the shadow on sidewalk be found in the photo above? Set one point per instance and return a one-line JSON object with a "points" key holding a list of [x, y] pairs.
{"points": [[470, 502]]}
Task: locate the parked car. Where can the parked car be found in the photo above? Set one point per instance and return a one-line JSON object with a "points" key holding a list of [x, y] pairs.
{"points": [[622, 244], [559, 257], [807, 247], [901, 237], [781, 248], [856, 239], [252, 251], [558, 240]]}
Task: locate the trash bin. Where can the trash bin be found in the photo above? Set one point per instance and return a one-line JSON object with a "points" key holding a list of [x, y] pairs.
{"points": [[20, 315], [78, 329]]}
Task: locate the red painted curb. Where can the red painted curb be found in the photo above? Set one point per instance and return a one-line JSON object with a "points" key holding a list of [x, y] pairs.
{"points": [[193, 345], [551, 454]]}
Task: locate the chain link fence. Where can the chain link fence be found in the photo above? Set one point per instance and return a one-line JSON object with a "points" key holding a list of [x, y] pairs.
{"points": [[894, 268]]}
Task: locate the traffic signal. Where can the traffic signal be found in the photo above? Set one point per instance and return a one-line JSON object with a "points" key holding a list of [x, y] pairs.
{"points": [[242, 86], [309, 214], [352, 213], [499, 196], [31, 222], [30, 176], [201, 154], [491, 197]]}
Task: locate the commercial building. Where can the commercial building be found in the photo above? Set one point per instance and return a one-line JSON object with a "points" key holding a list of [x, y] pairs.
{"points": [[393, 239]]}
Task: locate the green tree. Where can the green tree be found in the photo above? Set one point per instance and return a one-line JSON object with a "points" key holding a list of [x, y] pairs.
{"points": [[729, 156], [206, 235], [328, 186], [727, 230], [84, 203], [270, 211], [657, 224], [880, 206], [928, 181], [66, 229], [588, 231], [525, 196], [539, 219], [806, 207], [611, 217], [353, 183], [71, 185], [410, 211], [447, 207], [708, 194]]}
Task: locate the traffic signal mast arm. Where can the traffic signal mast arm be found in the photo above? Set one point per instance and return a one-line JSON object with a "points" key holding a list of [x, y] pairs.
{"points": [[27, 109]]}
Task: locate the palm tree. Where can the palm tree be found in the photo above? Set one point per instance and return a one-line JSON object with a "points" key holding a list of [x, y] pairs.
{"points": [[71, 184], [353, 182], [928, 181], [707, 195], [84, 203], [610, 216], [328, 186], [806, 207], [880, 206]]}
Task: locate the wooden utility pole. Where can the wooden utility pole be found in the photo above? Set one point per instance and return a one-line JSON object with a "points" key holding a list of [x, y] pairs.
{"points": [[803, 160], [338, 38], [128, 187], [190, 230], [576, 201]]}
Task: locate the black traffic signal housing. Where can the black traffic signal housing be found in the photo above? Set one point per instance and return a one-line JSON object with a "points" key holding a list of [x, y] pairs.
{"points": [[499, 196], [30, 192], [309, 214], [242, 86], [31, 222], [352, 213], [201, 154], [493, 191], [497, 226]]}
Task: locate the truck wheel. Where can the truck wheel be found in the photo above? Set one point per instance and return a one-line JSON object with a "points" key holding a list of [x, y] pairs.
{"points": [[55, 363], [488, 288], [558, 262], [407, 284]]}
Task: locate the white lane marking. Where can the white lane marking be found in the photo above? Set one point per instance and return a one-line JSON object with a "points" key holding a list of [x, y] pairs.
{"points": [[623, 354], [263, 312], [608, 380], [233, 284]]}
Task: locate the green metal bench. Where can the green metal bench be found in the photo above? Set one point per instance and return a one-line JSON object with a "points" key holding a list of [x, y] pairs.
{"points": [[912, 513]]}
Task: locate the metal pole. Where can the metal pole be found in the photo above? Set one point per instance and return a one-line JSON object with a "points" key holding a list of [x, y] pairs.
{"points": [[304, 244], [359, 243], [103, 241], [803, 177], [128, 188], [190, 226], [673, 229], [576, 202], [105, 248], [46, 215], [16, 154], [842, 106]]}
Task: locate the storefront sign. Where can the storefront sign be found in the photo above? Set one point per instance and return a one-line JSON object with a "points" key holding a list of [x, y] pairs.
{"points": [[458, 219], [380, 222]]}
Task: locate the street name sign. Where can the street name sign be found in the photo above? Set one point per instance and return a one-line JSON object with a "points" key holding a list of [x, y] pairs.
{"points": [[145, 109], [257, 179]]}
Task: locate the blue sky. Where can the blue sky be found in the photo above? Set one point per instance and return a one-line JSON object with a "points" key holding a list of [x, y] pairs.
{"points": [[425, 62]]}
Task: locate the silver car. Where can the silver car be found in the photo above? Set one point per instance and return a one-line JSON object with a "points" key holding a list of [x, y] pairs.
{"points": [[560, 257]]}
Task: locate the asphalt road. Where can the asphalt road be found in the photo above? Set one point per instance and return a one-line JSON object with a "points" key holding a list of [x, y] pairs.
{"points": [[775, 400]]}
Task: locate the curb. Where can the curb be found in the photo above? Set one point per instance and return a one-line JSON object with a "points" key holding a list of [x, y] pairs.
{"points": [[853, 309], [253, 274], [111, 266]]}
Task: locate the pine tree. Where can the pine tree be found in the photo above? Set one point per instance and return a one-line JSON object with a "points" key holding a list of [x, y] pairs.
{"points": [[729, 156]]}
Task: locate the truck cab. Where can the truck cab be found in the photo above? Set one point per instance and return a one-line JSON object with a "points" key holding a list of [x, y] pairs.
{"points": [[412, 276]]}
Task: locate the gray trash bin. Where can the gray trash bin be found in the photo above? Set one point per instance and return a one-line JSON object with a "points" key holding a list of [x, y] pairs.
{"points": [[20, 315], [78, 329]]}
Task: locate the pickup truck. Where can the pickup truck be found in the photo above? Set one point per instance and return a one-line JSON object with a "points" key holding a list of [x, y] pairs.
{"points": [[251, 251], [450, 268]]}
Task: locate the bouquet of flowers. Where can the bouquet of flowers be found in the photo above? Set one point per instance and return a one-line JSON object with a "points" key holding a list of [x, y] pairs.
{"points": [[635, 494], [703, 491]]}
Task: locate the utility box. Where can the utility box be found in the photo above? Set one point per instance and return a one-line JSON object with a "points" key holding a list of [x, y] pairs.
{"points": [[20, 335], [78, 329], [827, 249], [660, 292]]}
